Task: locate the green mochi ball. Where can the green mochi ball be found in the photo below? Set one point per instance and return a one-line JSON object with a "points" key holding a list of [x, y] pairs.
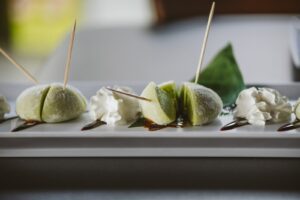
{"points": [[50, 103], [198, 104]]}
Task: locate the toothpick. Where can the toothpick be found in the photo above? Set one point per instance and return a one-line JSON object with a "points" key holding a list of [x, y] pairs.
{"points": [[131, 95], [204, 42], [71, 44], [20, 67]]}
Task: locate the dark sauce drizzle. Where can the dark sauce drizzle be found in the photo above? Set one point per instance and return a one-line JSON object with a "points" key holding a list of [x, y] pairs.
{"points": [[146, 123], [7, 119], [142, 122], [93, 125], [25, 125], [155, 127], [289, 126], [234, 124]]}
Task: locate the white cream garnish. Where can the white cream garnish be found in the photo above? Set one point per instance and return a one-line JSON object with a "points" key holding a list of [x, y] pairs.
{"points": [[263, 104], [4, 107], [114, 108]]}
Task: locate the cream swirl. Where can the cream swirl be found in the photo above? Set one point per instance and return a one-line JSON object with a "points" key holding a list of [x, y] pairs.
{"points": [[263, 104], [114, 108]]}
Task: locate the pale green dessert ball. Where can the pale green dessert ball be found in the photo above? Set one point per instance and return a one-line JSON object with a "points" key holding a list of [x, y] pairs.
{"points": [[30, 102], [50, 103], [199, 105], [62, 104]]}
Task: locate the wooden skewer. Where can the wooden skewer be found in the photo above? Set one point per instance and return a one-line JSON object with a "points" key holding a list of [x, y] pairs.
{"points": [[70, 50], [204, 42], [20, 67], [131, 95]]}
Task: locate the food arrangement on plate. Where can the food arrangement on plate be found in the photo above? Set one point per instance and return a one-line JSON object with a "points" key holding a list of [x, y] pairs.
{"points": [[217, 90]]}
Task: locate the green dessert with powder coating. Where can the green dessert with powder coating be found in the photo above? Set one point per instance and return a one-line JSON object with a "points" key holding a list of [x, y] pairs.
{"points": [[50, 103], [198, 104]]}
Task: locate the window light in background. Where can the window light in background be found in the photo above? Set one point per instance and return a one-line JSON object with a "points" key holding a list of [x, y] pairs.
{"points": [[37, 26]]}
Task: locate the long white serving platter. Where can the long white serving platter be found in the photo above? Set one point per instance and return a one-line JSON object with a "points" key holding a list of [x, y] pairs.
{"points": [[66, 139]]}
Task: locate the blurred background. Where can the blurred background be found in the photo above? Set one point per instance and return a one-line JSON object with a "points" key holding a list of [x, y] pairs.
{"points": [[143, 40]]}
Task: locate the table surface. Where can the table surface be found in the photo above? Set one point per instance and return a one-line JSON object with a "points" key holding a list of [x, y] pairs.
{"points": [[149, 178], [147, 195]]}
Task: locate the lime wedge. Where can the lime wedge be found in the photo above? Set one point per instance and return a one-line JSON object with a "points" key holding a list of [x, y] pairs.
{"points": [[200, 105], [162, 107], [171, 89]]}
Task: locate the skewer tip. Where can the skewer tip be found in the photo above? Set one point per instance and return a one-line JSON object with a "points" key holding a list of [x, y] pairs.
{"points": [[18, 66], [130, 95], [70, 50], [211, 13]]}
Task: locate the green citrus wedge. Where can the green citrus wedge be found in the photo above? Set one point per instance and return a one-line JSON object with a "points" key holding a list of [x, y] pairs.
{"points": [[171, 89], [162, 107], [199, 105]]}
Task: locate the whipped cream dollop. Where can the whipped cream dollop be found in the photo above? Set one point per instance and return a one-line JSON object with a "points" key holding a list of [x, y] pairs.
{"points": [[4, 107], [263, 104], [114, 108]]}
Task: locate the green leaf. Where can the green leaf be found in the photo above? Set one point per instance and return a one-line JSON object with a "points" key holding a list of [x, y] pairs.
{"points": [[223, 76], [140, 122]]}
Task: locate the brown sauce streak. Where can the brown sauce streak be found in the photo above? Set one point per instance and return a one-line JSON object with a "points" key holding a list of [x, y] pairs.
{"points": [[25, 125], [289, 126], [93, 125], [233, 125], [155, 127]]}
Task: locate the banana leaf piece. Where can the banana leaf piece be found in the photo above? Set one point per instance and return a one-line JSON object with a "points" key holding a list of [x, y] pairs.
{"points": [[223, 76]]}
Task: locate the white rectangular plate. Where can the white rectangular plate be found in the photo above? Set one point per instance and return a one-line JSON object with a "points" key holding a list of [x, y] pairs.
{"points": [[66, 139]]}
